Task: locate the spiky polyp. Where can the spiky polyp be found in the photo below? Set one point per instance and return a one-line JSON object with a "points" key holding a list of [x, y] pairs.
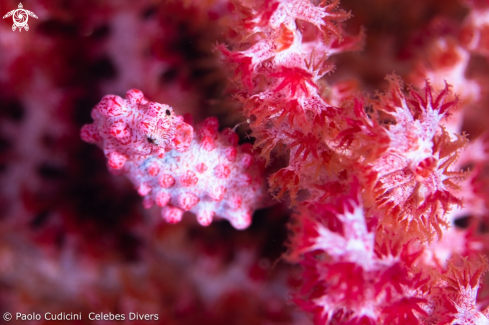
{"points": [[278, 60], [413, 181], [204, 172], [348, 277], [355, 275]]}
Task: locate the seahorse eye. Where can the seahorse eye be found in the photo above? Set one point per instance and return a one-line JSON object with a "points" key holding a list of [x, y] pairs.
{"points": [[168, 112]]}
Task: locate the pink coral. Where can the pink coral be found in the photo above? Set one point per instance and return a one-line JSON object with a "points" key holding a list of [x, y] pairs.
{"points": [[206, 173], [346, 278], [415, 180], [387, 185], [396, 154]]}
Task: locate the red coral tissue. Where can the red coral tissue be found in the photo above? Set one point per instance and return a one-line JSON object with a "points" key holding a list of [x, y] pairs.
{"points": [[337, 171]]}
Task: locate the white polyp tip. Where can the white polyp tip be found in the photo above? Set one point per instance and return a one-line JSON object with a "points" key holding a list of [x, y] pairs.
{"points": [[241, 223]]}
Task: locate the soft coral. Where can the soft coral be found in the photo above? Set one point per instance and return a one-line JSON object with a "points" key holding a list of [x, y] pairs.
{"points": [[203, 172], [414, 182]]}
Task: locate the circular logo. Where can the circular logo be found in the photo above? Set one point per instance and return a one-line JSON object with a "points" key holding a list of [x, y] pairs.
{"points": [[7, 316], [20, 18]]}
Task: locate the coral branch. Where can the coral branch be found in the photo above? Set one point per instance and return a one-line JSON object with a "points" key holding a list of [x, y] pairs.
{"points": [[204, 172]]}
